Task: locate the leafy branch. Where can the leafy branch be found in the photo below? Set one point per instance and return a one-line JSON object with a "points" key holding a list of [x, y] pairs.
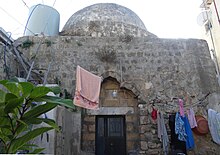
{"points": [[21, 106]]}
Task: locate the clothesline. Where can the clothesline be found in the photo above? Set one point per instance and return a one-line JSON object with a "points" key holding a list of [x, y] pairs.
{"points": [[185, 106]]}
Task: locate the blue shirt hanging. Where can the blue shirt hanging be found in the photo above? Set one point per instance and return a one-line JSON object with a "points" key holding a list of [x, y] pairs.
{"points": [[189, 138], [180, 128]]}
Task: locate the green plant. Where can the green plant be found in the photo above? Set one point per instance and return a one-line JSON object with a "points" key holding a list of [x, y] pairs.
{"points": [[27, 43], [20, 109], [48, 43]]}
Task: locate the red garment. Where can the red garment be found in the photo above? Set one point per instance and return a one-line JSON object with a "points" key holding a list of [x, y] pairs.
{"points": [[154, 114]]}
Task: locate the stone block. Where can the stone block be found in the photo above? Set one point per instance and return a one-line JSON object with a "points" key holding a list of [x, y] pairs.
{"points": [[112, 111], [143, 112], [91, 128], [130, 127], [143, 128], [144, 145], [88, 137], [132, 136], [153, 131], [89, 119], [143, 120], [123, 102], [142, 137], [152, 145], [130, 145], [132, 102], [130, 118], [84, 128], [153, 152], [111, 103], [148, 136]]}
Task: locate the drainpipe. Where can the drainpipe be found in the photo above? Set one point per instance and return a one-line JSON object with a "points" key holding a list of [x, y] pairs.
{"points": [[213, 51], [217, 66], [216, 10]]}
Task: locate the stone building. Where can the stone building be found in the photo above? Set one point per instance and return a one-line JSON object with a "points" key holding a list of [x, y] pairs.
{"points": [[209, 21], [6, 58], [139, 71]]}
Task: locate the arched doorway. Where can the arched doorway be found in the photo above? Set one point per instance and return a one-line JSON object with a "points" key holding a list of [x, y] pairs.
{"points": [[113, 129]]}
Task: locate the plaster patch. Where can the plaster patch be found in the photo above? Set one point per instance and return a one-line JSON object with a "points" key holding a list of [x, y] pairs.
{"points": [[148, 85]]}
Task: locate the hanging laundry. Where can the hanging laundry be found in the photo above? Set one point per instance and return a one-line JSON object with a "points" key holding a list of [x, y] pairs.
{"points": [[191, 118], [214, 125], [87, 89], [154, 114], [159, 128], [176, 145], [189, 138], [162, 132], [181, 107], [180, 128]]}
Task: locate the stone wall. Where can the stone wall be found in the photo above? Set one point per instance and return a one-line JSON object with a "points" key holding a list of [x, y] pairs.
{"points": [[68, 140], [149, 142], [8, 63], [152, 68]]}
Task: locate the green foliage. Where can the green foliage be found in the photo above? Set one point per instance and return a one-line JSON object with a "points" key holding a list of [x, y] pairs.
{"points": [[27, 44], [48, 43], [20, 109]]}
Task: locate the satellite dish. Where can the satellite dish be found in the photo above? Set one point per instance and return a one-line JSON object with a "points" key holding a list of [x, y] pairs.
{"points": [[203, 18]]}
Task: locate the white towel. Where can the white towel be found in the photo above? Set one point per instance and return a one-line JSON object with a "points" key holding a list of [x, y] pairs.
{"points": [[214, 125]]}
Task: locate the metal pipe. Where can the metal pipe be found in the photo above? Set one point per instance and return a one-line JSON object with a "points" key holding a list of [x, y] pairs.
{"points": [[216, 10]]}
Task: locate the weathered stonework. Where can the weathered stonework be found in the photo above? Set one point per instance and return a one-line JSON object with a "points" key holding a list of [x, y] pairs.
{"points": [[132, 134], [112, 42], [152, 69], [101, 20], [8, 65], [170, 65]]}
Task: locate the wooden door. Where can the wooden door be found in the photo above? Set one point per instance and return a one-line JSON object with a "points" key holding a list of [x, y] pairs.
{"points": [[110, 135]]}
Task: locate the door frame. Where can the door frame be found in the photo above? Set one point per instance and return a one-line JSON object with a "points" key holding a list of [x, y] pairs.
{"points": [[105, 126]]}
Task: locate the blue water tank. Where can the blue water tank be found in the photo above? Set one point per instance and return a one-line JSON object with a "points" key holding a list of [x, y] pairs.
{"points": [[43, 20]]}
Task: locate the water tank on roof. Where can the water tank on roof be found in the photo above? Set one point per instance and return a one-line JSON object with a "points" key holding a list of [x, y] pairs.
{"points": [[42, 19]]}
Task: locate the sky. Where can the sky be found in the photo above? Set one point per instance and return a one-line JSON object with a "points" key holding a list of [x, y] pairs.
{"points": [[164, 18]]}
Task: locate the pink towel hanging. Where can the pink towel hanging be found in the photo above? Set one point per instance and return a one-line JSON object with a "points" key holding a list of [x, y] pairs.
{"points": [[87, 89], [181, 107]]}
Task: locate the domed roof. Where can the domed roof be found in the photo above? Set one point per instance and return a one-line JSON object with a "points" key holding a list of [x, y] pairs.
{"points": [[105, 19]]}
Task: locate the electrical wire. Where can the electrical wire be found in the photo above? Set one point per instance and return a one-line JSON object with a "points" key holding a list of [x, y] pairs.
{"points": [[29, 19], [37, 49], [10, 15], [14, 18], [161, 102], [54, 3], [25, 4]]}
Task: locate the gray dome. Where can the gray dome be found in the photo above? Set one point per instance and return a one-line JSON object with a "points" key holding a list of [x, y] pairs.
{"points": [[105, 19]]}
